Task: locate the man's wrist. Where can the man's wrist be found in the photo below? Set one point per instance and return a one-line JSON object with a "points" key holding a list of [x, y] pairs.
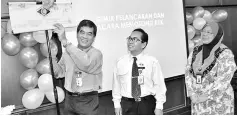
{"points": [[62, 37], [65, 43]]}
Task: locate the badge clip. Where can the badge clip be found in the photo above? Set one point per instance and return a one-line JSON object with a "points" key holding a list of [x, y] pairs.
{"points": [[79, 79], [199, 79]]}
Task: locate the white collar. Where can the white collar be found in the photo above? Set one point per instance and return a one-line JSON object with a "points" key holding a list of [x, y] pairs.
{"points": [[138, 56]]}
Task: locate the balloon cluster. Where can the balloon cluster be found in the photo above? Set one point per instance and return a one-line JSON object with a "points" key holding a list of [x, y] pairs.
{"points": [[38, 73], [197, 20]]}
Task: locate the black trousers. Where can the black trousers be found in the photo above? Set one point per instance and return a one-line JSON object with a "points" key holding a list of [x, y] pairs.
{"points": [[144, 107], [81, 104]]}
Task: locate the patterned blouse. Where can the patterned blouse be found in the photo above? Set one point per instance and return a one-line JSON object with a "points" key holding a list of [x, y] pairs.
{"points": [[215, 83]]}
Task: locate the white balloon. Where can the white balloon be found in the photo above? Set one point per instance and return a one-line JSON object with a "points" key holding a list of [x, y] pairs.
{"points": [[207, 16], [190, 45], [33, 98], [45, 82], [40, 36], [51, 98], [199, 23]]}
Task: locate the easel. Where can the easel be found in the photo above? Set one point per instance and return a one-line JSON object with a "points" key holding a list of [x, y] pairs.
{"points": [[52, 73]]}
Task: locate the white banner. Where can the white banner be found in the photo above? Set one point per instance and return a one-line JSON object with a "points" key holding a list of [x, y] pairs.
{"points": [[28, 17]]}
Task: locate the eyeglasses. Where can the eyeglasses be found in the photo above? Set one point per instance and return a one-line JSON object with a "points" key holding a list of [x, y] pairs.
{"points": [[133, 39], [206, 32]]}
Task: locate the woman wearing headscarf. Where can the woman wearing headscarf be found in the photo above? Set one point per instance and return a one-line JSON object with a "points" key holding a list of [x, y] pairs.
{"points": [[208, 74]]}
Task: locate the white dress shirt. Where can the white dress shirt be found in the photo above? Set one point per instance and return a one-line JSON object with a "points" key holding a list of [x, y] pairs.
{"points": [[153, 79]]}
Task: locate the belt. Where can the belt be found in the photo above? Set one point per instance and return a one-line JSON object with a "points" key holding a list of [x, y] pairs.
{"points": [[82, 94], [138, 99]]}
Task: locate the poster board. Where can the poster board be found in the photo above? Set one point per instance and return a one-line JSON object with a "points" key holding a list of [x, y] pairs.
{"points": [[29, 16]]}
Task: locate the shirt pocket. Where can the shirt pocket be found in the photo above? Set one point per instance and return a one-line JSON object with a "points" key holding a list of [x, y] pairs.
{"points": [[146, 73], [122, 74]]}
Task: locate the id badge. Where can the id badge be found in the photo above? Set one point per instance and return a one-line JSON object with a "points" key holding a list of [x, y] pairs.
{"points": [[79, 82], [199, 79], [141, 80]]}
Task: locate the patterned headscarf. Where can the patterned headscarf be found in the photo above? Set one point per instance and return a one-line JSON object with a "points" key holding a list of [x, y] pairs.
{"points": [[205, 54]]}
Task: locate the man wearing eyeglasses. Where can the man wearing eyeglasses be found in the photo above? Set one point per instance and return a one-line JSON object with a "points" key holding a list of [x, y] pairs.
{"points": [[138, 83]]}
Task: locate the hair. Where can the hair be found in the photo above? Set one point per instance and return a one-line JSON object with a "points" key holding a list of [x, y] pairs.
{"points": [[87, 23], [58, 43], [144, 36]]}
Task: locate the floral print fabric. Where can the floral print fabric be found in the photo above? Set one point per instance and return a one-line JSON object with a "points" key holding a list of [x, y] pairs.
{"points": [[215, 84]]}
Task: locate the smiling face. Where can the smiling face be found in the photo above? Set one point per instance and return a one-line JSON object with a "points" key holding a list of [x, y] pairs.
{"points": [[207, 35], [85, 37], [134, 43]]}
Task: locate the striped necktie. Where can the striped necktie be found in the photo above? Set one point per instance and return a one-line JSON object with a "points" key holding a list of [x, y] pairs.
{"points": [[136, 89]]}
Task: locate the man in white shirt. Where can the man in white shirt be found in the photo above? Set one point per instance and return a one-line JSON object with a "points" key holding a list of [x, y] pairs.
{"points": [[138, 83], [81, 66]]}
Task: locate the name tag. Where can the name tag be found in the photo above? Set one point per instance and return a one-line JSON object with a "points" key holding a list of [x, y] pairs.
{"points": [[79, 79], [79, 82], [141, 80], [199, 79]]}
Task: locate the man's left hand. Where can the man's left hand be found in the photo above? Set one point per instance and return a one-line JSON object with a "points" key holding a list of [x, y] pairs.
{"points": [[158, 112]]}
